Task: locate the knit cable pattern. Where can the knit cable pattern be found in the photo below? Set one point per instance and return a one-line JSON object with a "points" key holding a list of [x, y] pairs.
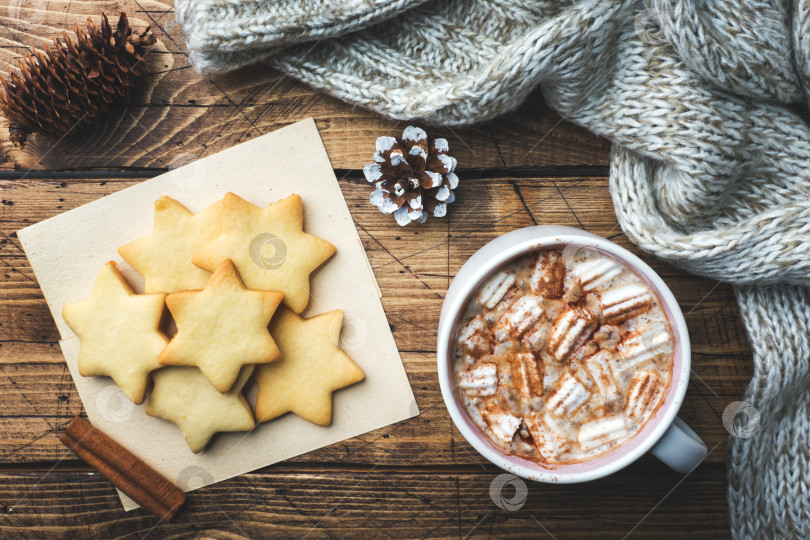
{"points": [[710, 168], [223, 35]]}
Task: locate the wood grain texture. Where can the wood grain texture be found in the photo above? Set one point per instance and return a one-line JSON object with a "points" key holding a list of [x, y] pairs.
{"points": [[413, 267], [646, 501], [127, 472], [414, 479], [175, 116]]}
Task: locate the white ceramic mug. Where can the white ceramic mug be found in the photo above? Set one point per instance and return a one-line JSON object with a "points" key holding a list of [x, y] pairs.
{"points": [[665, 435]]}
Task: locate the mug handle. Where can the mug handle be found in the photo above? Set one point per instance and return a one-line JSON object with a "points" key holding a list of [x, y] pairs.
{"points": [[680, 447]]}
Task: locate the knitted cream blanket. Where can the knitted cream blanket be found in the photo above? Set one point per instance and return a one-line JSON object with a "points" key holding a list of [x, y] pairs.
{"points": [[710, 168]]}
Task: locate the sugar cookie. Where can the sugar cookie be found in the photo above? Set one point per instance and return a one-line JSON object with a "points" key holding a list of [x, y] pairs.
{"points": [[183, 396], [311, 368], [164, 257], [222, 327], [118, 332], [268, 247]]}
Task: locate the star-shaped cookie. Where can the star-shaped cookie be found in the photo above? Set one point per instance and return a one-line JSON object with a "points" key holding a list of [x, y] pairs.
{"points": [[312, 366], [268, 247], [183, 396], [164, 257], [118, 332], [222, 327]]}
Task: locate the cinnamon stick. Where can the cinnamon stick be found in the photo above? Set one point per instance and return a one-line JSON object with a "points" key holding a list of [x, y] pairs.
{"points": [[126, 471]]}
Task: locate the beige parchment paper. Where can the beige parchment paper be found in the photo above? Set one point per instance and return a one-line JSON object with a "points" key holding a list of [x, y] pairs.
{"points": [[67, 252]]}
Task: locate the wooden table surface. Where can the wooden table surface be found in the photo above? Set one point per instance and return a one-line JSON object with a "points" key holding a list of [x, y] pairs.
{"points": [[418, 478]]}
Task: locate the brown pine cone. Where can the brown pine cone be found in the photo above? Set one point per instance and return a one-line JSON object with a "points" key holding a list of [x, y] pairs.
{"points": [[414, 176], [74, 81]]}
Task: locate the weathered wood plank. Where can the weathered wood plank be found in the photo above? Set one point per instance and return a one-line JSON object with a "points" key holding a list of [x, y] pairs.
{"points": [[177, 116], [413, 266], [417, 478], [645, 500], [38, 401]]}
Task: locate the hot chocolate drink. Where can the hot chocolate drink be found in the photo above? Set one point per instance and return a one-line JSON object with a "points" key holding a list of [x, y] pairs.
{"points": [[563, 355]]}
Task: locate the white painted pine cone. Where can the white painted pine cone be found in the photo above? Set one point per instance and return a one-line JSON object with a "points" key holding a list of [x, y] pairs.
{"points": [[413, 175]]}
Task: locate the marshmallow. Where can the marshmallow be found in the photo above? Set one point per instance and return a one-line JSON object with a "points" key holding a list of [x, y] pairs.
{"points": [[502, 424], [599, 370], [571, 330], [548, 275], [507, 300], [536, 338], [569, 396], [626, 302], [648, 343], [474, 337], [602, 432], [547, 437], [646, 391], [482, 380], [597, 272], [495, 289], [526, 377], [518, 318], [588, 349]]}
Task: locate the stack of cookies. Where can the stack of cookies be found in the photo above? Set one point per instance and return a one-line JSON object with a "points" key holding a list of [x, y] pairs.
{"points": [[234, 278]]}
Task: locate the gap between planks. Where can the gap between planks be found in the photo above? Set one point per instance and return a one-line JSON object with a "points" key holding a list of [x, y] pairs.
{"points": [[78, 466], [102, 174]]}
